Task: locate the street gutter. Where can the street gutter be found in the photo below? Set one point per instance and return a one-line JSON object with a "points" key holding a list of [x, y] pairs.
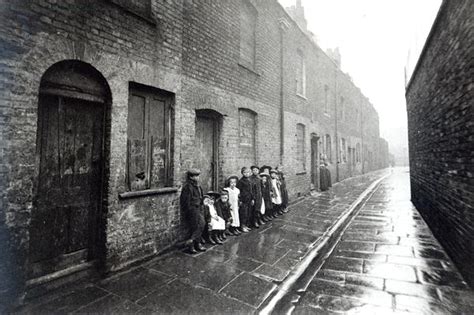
{"points": [[285, 295]]}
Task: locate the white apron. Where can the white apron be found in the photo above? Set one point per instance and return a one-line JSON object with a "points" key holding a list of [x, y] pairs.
{"points": [[262, 208], [234, 205], [276, 199], [217, 223]]}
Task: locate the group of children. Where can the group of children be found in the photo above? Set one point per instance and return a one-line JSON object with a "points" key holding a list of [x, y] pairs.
{"points": [[246, 203]]}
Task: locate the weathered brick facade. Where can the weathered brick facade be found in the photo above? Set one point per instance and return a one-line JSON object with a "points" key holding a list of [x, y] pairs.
{"points": [[441, 132], [188, 48]]}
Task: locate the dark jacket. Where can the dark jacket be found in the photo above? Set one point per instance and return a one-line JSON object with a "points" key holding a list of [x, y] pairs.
{"points": [[223, 210], [266, 194], [191, 196], [245, 185], [284, 192], [257, 191]]}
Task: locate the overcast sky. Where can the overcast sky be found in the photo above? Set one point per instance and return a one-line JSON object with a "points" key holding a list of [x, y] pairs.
{"points": [[374, 38]]}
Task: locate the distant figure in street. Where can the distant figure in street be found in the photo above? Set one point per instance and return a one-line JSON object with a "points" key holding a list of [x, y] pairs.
{"points": [[191, 205], [325, 177], [257, 196], [234, 200], [215, 223], [223, 209], [246, 196], [267, 196], [276, 198]]}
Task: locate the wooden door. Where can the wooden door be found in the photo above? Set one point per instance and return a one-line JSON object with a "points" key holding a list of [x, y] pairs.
{"points": [[64, 220], [206, 151], [314, 162]]}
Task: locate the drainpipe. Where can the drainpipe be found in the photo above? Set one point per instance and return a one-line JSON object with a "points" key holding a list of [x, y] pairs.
{"points": [[335, 125], [284, 26]]}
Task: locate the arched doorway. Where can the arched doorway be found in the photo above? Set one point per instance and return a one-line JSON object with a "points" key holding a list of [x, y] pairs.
{"points": [[207, 147], [67, 214]]}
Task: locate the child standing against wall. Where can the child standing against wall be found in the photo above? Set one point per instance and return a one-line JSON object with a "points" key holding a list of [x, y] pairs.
{"points": [[191, 206], [276, 199], [234, 200], [256, 216], [284, 191], [245, 186], [266, 195]]}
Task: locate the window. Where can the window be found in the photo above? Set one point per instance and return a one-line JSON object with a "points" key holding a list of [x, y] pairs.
{"points": [[342, 109], [326, 100], [328, 149], [138, 7], [149, 143], [300, 148], [343, 157], [247, 135], [300, 74], [248, 25], [358, 152]]}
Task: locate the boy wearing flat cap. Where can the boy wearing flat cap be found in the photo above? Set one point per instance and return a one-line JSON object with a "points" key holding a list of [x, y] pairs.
{"points": [[257, 190], [191, 205]]}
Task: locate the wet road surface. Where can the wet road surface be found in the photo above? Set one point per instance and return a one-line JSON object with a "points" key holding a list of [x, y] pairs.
{"points": [[387, 261], [233, 278]]}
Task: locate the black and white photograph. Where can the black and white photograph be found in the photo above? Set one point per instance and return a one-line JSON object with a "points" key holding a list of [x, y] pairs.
{"points": [[236, 157]]}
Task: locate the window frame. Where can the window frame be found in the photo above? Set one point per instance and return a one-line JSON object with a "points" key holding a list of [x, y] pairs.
{"points": [[300, 77], [151, 94], [247, 7]]}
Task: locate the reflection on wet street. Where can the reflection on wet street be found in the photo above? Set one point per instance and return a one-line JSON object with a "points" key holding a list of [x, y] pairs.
{"points": [[388, 261]]}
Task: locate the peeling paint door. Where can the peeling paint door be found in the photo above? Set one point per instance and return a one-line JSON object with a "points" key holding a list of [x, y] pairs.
{"points": [[64, 220], [206, 151]]}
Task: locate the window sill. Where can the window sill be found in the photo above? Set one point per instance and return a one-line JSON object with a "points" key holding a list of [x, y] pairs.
{"points": [[301, 96], [148, 192], [327, 115], [248, 68], [301, 173]]}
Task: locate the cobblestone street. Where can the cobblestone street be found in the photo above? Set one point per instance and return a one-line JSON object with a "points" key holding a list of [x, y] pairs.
{"points": [[235, 277], [388, 261]]}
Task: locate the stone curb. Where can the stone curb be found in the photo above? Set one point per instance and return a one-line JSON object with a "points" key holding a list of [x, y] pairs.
{"points": [[321, 249]]}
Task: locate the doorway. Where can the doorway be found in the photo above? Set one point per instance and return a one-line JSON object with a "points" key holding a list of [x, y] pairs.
{"points": [[65, 220], [314, 162], [207, 144]]}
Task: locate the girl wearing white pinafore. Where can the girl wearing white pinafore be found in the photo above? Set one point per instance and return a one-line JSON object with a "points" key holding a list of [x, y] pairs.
{"points": [[234, 193]]}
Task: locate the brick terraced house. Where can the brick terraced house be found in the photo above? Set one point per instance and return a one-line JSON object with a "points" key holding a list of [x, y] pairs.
{"points": [[105, 104]]}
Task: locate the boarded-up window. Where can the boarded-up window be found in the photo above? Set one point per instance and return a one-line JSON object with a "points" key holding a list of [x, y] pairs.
{"points": [[248, 24], [328, 150], [149, 138], [300, 147], [247, 135], [300, 74]]}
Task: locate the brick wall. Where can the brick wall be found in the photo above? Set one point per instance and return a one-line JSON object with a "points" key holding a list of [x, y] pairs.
{"points": [[441, 132], [191, 49]]}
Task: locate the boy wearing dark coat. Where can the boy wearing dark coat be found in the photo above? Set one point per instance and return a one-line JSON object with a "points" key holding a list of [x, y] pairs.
{"points": [[191, 206], [257, 196], [245, 186]]}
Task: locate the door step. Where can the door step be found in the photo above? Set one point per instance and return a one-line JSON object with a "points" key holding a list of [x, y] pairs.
{"points": [[49, 283]]}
